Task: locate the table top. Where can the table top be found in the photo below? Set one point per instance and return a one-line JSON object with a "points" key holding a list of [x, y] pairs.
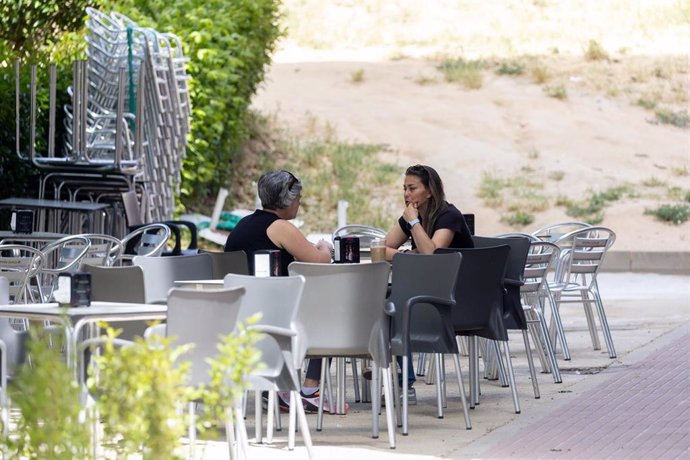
{"points": [[216, 282], [8, 235], [97, 309], [84, 206]]}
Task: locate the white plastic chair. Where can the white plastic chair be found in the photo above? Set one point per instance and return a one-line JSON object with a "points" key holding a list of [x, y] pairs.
{"points": [[200, 317], [160, 273], [278, 300], [351, 297]]}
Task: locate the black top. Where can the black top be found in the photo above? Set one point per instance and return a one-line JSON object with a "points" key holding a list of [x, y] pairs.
{"points": [[250, 235], [450, 218]]}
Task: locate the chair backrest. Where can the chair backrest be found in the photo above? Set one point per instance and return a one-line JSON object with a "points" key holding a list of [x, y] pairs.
{"points": [[19, 264], [424, 275], [529, 236], [201, 318], [479, 292], [513, 314], [277, 299], [149, 240], [132, 209], [160, 273], [365, 234], [12, 338], [228, 262], [585, 255], [340, 305], [117, 284], [541, 258], [553, 232], [104, 251]]}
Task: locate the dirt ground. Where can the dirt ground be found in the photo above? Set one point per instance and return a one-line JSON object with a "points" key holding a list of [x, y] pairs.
{"points": [[509, 127]]}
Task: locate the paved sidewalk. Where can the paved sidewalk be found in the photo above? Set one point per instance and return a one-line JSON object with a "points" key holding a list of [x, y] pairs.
{"points": [[641, 412]]}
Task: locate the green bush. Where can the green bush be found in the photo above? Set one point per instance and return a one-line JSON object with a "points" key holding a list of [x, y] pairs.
{"points": [[47, 396], [229, 43], [463, 71], [673, 213]]}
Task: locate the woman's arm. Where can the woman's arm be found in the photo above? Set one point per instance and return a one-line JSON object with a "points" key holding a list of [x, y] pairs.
{"points": [[287, 236], [394, 239], [425, 245]]}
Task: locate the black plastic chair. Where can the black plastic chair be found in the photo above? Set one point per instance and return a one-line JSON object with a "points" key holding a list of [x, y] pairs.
{"points": [[480, 297], [421, 306]]}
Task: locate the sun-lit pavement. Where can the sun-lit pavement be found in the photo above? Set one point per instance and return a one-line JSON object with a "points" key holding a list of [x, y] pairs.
{"points": [[633, 406]]}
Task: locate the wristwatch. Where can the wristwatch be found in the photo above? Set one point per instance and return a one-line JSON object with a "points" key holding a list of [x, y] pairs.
{"points": [[412, 223]]}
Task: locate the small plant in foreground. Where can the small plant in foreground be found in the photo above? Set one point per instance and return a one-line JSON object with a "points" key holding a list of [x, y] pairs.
{"points": [[540, 73], [47, 396], [459, 70], [647, 103], [653, 182], [672, 213]]}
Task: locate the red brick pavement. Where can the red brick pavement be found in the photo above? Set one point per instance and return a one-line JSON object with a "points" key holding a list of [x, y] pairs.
{"points": [[640, 412]]}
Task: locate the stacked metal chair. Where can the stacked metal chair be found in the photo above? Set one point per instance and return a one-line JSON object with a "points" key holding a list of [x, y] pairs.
{"points": [[128, 120]]}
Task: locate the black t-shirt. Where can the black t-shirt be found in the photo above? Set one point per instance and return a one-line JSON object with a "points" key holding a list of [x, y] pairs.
{"points": [[250, 236], [450, 218]]}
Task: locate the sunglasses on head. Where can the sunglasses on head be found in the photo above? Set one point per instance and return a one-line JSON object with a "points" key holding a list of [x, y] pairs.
{"points": [[293, 180]]}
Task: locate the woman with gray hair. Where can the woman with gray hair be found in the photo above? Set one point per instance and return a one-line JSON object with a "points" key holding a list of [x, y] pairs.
{"points": [[268, 228]]}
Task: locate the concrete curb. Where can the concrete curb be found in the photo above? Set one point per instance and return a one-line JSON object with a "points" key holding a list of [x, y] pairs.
{"points": [[676, 263]]}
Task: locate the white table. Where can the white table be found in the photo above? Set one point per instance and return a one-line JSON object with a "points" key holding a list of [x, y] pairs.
{"points": [[75, 319], [200, 284]]}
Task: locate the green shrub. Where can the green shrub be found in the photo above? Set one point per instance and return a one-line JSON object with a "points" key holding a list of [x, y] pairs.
{"points": [[673, 213], [459, 70], [595, 52], [510, 68], [357, 76], [556, 91], [47, 397], [669, 117], [519, 218]]}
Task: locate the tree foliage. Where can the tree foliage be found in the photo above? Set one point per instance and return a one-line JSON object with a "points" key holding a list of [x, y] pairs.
{"points": [[229, 43]]}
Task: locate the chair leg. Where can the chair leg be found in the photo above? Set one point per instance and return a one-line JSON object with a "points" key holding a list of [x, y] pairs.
{"points": [[258, 413], [604, 322], [430, 377], [242, 440], [556, 317], [294, 400], [230, 434], [191, 430], [439, 384], [550, 353], [530, 362], [444, 395], [319, 416], [375, 399], [390, 404], [511, 377], [502, 376], [396, 391], [591, 324], [405, 364], [304, 427], [355, 379], [474, 368], [340, 380], [270, 416], [463, 398], [421, 364]]}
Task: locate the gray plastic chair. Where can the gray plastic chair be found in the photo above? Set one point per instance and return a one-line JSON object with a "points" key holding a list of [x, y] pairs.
{"points": [[228, 262], [421, 305], [160, 273], [120, 284], [201, 317], [278, 300], [352, 297]]}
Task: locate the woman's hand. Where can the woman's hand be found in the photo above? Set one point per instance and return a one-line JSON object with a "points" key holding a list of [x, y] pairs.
{"points": [[323, 245], [411, 212]]}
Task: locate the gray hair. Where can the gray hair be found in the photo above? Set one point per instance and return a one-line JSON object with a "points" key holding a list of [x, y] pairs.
{"points": [[278, 189]]}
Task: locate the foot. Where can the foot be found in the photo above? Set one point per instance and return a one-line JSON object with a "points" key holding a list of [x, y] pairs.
{"points": [[311, 404], [284, 401], [411, 396], [366, 373]]}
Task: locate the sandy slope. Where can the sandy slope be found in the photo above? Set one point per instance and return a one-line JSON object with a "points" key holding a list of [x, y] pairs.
{"points": [[507, 124]]}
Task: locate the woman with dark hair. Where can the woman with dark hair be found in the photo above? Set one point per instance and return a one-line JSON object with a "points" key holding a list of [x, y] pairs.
{"points": [[430, 221], [268, 228], [428, 218]]}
